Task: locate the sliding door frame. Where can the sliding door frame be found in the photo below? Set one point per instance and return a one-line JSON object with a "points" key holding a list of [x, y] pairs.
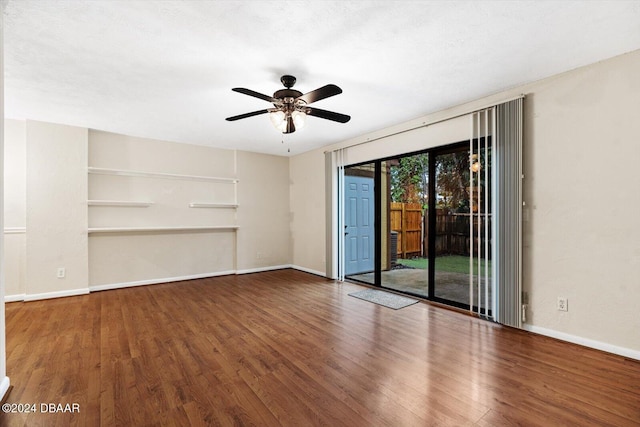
{"points": [[507, 180], [432, 220], [377, 222], [433, 153], [378, 204]]}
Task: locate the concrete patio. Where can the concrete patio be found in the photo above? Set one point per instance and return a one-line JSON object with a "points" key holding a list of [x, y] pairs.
{"points": [[449, 286]]}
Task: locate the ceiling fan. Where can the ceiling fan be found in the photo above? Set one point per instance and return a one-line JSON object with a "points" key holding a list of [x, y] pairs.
{"points": [[291, 107]]}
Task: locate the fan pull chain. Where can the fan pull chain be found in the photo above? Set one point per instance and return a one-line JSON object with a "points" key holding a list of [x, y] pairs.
{"points": [[282, 142]]}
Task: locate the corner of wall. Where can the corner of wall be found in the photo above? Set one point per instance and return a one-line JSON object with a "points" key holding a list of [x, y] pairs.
{"points": [[308, 211], [263, 211], [4, 380]]}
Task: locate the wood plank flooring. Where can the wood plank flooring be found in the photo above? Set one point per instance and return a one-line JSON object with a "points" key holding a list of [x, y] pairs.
{"points": [[289, 348]]}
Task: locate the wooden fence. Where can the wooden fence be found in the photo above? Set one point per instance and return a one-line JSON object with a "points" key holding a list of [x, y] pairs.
{"points": [[406, 220], [452, 234], [452, 231]]}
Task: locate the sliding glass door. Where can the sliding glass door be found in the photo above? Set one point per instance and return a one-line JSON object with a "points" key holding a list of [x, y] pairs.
{"points": [[446, 222], [404, 205], [417, 224], [450, 226], [461, 226]]}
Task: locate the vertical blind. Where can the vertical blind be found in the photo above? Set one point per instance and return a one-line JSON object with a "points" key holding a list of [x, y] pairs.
{"points": [[507, 208], [496, 144], [481, 299], [341, 222]]}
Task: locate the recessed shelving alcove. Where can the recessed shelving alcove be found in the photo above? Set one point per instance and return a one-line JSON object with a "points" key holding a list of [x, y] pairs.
{"points": [[165, 211]]}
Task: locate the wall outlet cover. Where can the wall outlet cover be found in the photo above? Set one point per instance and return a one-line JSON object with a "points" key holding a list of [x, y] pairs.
{"points": [[563, 304]]}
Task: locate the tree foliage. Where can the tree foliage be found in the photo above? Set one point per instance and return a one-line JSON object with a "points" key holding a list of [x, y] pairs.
{"points": [[410, 179], [452, 181]]}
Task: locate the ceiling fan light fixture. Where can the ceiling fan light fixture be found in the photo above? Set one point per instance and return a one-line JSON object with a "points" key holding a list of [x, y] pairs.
{"points": [[290, 127], [279, 120], [299, 119]]}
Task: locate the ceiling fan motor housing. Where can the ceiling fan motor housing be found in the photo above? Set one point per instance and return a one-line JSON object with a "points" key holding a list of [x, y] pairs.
{"points": [[288, 102], [288, 81], [287, 93]]}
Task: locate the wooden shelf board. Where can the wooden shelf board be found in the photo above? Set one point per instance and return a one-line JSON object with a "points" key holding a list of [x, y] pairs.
{"points": [[125, 172], [213, 205], [120, 203], [159, 229]]}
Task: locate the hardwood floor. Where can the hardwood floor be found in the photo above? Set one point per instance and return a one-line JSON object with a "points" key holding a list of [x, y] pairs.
{"points": [[289, 348]]}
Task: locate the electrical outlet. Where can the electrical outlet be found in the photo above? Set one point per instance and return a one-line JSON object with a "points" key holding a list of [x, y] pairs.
{"points": [[61, 273], [563, 304]]}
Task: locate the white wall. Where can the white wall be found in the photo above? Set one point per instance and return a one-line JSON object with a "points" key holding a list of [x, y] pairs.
{"points": [[56, 214], [49, 187], [112, 150], [15, 203], [263, 211], [308, 211], [120, 259], [4, 380], [15, 170], [582, 238], [582, 241]]}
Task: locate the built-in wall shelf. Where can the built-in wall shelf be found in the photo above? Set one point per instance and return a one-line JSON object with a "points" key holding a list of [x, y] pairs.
{"points": [[119, 203], [15, 230], [125, 172], [213, 205], [159, 229]]}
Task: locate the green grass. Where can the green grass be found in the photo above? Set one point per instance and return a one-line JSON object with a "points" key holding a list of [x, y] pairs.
{"points": [[450, 263]]}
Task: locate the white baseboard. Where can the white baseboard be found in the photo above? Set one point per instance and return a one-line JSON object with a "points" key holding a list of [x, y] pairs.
{"points": [[4, 386], [598, 345], [308, 270], [262, 269], [57, 294], [14, 297], [109, 286], [281, 267]]}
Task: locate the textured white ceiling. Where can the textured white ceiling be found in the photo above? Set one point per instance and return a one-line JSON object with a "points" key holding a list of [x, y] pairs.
{"points": [[165, 69]]}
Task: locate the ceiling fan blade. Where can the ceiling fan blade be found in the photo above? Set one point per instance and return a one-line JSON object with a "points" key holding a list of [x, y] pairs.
{"points": [[245, 115], [320, 93], [329, 115], [254, 94]]}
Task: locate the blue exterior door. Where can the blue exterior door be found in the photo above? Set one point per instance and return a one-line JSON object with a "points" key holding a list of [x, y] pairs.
{"points": [[359, 227]]}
